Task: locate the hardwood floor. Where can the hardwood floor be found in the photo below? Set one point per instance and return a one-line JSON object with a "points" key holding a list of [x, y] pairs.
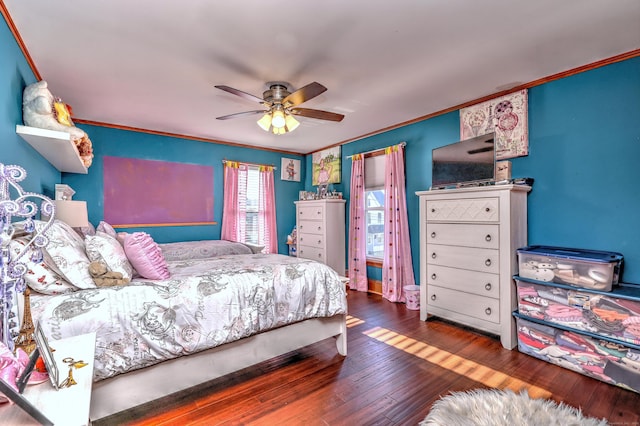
{"points": [[396, 368]]}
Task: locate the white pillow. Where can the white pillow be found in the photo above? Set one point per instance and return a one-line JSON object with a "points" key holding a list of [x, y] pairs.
{"points": [[66, 253], [255, 249], [102, 247], [39, 276]]}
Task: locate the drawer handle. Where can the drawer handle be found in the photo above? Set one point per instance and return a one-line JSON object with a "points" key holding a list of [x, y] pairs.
{"points": [[433, 297], [487, 311], [319, 228], [433, 210], [433, 235], [433, 276], [433, 255], [487, 262], [318, 212], [487, 209], [319, 241], [487, 286], [320, 255], [487, 238]]}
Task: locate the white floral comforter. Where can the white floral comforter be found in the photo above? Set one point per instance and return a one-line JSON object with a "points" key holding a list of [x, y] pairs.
{"points": [[190, 250], [205, 303]]}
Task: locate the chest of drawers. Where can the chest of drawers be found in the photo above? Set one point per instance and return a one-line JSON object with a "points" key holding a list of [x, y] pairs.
{"points": [[321, 232], [468, 243]]}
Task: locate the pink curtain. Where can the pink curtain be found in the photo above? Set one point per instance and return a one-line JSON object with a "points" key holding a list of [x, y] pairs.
{"points": [[397, 265], [234, 215], [230, 210], [357, 230], [268, 233]]}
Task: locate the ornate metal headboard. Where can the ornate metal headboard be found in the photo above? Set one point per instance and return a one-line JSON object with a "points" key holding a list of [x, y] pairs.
{"points": [[17, 203]]}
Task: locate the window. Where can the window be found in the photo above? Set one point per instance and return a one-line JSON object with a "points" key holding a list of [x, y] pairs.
{"points": [[374, 196], [375, 222], [249, 203], [249, 214]]}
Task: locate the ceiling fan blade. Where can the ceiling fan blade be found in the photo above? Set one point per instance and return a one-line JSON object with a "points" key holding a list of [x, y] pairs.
{"points": [[303, 94], [316, 113], [247, 96], [242, 114]]}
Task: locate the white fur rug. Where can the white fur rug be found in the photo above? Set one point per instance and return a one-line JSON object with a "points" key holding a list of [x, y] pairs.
{"points": [[493, 407]]}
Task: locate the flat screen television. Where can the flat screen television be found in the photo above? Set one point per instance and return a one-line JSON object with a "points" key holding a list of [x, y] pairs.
{"points": [[471, 161]]}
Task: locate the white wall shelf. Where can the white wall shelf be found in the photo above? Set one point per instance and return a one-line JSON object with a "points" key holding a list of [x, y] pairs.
{"points": [[56, 147]]}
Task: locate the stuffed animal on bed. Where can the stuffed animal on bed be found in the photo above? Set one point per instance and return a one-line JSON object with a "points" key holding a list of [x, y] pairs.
{"points": [[40, 109], [105, 278]]}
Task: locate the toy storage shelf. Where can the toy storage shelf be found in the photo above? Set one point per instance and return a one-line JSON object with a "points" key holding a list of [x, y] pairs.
{"points": [[56, 147]]}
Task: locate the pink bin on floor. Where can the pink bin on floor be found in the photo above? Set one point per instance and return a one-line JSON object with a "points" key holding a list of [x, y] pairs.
{"points": [[412, 294]]}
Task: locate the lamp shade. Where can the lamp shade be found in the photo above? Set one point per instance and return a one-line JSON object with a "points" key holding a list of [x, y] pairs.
{"points": [[265, 122], [291, 122], [73, 213]]}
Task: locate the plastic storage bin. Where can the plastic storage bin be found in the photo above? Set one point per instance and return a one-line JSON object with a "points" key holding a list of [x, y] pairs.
{"points": [[599, 270], [607, 360], [614, 314]]}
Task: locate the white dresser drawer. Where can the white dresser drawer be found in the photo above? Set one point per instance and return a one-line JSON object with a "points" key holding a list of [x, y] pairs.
{"points": [[313, 253], [464, 210], [462, 234], [484, 308], [481, 283], [310, 212], [311, 240], [311, 227], [475, 259]]}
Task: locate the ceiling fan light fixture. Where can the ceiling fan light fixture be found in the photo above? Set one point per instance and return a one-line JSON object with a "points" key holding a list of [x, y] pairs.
{"points": [[265, 122], [280, 104], [291, 122], [277, 119]]}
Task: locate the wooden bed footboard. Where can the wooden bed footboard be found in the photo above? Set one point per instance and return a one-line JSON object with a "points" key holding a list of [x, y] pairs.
{"points": [[122, 392]]}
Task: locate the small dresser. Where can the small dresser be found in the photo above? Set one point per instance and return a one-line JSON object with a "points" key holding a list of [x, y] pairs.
{"points": [[321, 232], [468, 243]]}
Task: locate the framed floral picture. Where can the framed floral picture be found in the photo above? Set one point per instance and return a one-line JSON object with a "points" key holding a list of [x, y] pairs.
{"points": [[326, 166], [290, 170], [506, 116]]}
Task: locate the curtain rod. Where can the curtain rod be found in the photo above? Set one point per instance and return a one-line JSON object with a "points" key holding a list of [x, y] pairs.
{"points": [[250, 164], [375, 150]]}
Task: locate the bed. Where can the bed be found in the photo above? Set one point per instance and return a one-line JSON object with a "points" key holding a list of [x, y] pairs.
{"points": [[220, 307]]}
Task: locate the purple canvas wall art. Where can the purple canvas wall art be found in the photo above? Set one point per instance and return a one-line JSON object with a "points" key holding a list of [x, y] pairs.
{"points": [[138, 192]]}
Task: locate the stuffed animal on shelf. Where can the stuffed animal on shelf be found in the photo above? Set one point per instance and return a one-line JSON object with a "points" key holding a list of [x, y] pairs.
{"points": [[40, 109], [105, 278]]}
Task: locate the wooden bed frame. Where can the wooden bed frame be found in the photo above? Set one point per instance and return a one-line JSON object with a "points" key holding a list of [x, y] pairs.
{"points": [[128, 390]]}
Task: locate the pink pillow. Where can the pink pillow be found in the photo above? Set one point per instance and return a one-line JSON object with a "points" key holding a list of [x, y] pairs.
{"points": [[145, 256], [106, 228]]}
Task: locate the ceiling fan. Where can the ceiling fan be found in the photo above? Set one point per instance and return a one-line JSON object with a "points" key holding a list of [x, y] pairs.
{"points": [[281, 105]]}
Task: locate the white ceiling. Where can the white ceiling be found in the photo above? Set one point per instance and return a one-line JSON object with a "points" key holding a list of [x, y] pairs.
{"points": [[153, 64]]}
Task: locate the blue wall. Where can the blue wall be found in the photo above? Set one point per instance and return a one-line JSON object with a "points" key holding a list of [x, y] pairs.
{"points": [[15, 75], [584, 144]]}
